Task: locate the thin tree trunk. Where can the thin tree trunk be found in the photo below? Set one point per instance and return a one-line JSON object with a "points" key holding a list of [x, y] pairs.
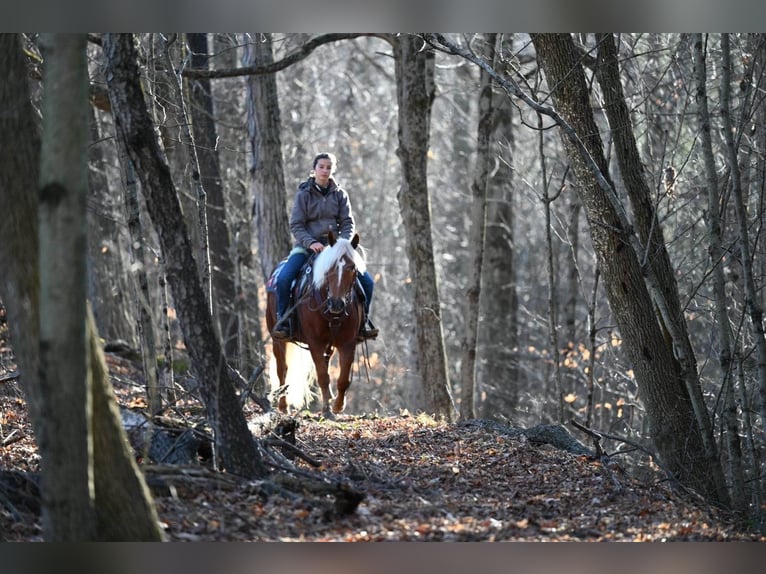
{"points": [[206, 144], [751, 296], [108, 285], [415, 92], [477, 238], [264, 125], [569, 311], [176, 89], [716, 251], [553, 331], [146, 328], [498, 340]]}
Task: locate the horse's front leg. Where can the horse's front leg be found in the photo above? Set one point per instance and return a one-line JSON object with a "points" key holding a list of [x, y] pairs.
{"points": [[321, 363], [345, 360], [279, 350]]}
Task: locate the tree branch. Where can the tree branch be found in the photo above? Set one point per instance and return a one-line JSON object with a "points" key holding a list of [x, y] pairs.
{"points": [[292, 58]]}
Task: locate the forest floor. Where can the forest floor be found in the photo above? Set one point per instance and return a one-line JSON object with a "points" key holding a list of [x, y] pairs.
{"points": [[418, 480]]}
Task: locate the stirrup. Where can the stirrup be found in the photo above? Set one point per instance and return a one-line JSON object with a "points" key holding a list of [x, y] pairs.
{"points": [[282, 330], [368, 330]]}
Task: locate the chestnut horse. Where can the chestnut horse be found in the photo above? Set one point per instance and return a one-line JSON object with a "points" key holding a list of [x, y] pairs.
{"points": [[329, 314]]}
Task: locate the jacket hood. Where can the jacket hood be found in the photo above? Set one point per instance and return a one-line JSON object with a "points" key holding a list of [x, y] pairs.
{"points": [[310, 182]]}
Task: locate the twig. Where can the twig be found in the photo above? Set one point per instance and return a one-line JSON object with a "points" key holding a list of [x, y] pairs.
{"points": [[9, 376], [281, 443], [636, 445], [8, 440]]}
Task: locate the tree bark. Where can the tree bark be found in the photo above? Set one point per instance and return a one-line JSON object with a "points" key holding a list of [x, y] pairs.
{"points": [[143, 299], [233, 440], [415, 93], [67, 478], [124, 506], [19, 253]]}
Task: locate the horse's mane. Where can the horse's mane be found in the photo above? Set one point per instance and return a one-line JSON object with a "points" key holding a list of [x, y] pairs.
{"points": [[331, 256]]}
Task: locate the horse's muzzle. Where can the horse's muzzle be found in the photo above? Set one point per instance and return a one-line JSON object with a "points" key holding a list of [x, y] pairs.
{"points": [[336, 306]]}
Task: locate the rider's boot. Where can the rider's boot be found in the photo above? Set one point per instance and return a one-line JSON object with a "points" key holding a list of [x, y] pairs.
{"points": [[368, 330], [282, 328]]}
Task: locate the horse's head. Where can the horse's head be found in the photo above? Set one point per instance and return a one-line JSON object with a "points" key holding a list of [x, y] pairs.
{"points": [[335, 270]]}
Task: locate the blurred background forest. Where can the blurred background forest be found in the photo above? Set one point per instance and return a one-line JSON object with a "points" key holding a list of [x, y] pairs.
{"points": [[549, 348]]}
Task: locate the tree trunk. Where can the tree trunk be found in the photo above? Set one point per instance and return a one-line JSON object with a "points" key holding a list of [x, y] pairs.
{"points": [[66, 442], [674, 427], [108, 287], [233, 440], [650, 235], [125, 509], [477, 238], [752, 302], [264, 126], [19, 255], [415, 93], [499, 336], [116, 480], [725, 343], [206, 142], [140, 262]]}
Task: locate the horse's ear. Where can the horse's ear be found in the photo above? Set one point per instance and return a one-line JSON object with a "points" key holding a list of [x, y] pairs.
{"points": [[331, 238], [355, 240]]}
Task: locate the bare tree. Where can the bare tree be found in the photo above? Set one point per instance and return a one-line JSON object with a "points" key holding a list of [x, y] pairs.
{"points": [[498, 335], [477, 238], [716, 254], [415, 92], [108, 285], [206, 141]]}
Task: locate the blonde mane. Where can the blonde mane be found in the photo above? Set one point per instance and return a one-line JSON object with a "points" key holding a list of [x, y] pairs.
{"points": [[331, 256]]}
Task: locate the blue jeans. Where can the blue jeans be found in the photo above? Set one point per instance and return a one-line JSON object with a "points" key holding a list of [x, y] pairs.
{"points": [[368, 284], [290, 271], [285, 280]]}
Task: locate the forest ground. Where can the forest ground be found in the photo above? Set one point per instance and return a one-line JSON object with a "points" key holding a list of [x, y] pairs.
{"points": [[419, 479]]}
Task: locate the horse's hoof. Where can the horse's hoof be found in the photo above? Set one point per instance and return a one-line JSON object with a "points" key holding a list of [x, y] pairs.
{"points": [[328, 414]]}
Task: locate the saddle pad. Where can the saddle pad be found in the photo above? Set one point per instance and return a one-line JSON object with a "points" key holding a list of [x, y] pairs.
{"points": [[303, 275], [271, 284]]}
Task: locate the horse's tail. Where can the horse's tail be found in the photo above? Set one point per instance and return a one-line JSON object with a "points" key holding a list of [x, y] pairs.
{"points": [[300, 379]]}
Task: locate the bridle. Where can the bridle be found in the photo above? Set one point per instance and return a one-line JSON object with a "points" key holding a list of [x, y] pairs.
{"points": [[336, 309]]}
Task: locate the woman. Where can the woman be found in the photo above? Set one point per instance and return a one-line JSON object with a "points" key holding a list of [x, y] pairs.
{"points": [[320, 205]]}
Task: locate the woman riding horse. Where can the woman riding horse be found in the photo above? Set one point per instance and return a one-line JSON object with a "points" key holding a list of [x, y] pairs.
{"points": [[321, 206]]}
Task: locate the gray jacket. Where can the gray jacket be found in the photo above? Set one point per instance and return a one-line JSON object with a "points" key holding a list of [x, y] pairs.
{"points": [[314, 214]]}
